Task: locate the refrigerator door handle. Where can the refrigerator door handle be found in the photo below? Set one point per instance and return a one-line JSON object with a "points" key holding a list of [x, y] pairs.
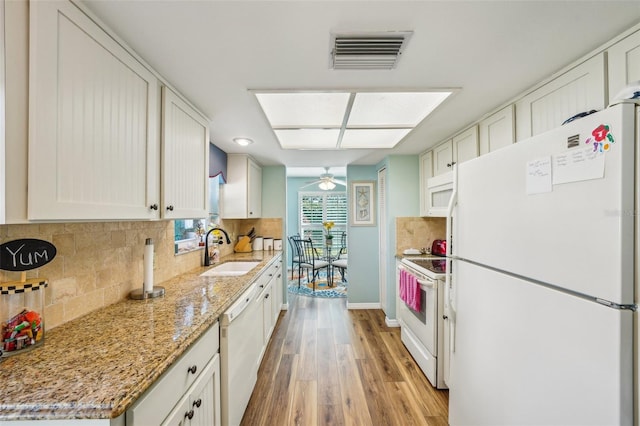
{"points": [[448, 284], [614, 305]]}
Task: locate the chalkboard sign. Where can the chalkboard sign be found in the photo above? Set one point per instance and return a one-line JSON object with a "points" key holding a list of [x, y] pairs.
{"points": [[26, 254]]}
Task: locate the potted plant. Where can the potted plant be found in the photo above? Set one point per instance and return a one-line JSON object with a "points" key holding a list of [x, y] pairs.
{"points": [[328, 235]]}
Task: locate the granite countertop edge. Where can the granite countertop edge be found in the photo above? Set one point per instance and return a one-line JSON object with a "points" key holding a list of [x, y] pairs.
{"points": [[102, 381]]}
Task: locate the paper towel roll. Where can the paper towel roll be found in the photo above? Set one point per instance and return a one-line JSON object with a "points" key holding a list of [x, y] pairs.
{"points": [[147, 286]]}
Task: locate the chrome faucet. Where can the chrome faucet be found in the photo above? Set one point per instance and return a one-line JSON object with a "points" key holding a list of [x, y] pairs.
{"points": [[207, 262]]}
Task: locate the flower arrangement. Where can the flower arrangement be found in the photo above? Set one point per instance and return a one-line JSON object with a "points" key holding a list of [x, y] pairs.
{"points": [[327, 227]]}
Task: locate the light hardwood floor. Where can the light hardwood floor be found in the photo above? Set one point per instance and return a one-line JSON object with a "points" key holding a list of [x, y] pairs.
{"points": [[327, 365]]}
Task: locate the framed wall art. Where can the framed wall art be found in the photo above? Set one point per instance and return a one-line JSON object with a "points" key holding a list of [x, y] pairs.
{"points": [[363, 203]]}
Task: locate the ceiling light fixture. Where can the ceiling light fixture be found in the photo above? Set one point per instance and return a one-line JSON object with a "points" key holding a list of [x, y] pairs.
{"points": [[243, 141], [326, 185]]}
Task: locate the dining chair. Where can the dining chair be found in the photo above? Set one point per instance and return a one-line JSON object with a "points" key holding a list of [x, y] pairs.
{"points": [[295, 256], [310, 259], [342, 257]]}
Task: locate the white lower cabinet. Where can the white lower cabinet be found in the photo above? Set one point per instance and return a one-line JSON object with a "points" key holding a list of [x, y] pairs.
{"points": [[188, 393], [201, 405]]}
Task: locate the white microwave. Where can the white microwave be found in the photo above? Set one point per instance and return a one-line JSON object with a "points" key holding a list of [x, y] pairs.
{"points": [[439, 191]]}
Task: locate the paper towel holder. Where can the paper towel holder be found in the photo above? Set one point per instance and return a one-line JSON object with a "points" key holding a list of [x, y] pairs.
{"points": [[148, 290], [140, 294]]}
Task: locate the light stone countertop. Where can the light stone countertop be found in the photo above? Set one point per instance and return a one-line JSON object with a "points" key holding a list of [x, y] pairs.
{"points": [[96, 366]]}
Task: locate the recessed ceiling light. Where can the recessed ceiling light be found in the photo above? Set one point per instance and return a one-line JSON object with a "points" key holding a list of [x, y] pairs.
{"points": [[243, 141]]}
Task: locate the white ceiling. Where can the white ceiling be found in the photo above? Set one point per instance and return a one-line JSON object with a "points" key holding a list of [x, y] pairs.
{"points": [[216, 52]]}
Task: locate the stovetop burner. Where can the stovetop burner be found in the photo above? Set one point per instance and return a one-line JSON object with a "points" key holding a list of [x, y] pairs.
{"points": [[436, 265]]}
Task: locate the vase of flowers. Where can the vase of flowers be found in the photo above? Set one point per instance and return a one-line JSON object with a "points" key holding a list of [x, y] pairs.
{"points": [[328, 236]]}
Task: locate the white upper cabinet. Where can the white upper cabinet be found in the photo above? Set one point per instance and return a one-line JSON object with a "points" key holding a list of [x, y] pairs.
{"points": [[242, 194], [580, 89], [465, 145], [497, 130], [185, 159], [624, 63], [426, 173], [93, 120], [442, 158]]}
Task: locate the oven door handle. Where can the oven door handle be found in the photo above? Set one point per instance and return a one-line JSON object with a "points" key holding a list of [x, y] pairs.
{"points": [[430, 284]]}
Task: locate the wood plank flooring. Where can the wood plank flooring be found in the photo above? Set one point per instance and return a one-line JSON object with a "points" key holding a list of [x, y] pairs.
{"points": [[327, 365]]}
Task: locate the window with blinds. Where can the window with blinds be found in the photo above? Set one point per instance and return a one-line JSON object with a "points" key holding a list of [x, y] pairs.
{"points": [[318, 207]]}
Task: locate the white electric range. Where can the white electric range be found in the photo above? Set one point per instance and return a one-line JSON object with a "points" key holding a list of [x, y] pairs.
{"points": [[423, 333]]}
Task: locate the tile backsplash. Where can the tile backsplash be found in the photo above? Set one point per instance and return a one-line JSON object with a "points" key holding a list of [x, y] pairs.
{"points": [[418, 232], [99, 263]]}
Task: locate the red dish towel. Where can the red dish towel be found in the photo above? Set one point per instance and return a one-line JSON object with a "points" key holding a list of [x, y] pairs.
{"points": [[410, 290]]}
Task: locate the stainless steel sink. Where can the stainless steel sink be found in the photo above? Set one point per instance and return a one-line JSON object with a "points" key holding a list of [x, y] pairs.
{"points": [[230, 269]]}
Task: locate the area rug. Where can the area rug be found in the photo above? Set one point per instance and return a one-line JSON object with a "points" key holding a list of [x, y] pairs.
{"points": [[339, 288]]}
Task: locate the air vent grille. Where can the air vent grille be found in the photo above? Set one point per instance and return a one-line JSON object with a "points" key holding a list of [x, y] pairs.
{"points": [[378, 51]]}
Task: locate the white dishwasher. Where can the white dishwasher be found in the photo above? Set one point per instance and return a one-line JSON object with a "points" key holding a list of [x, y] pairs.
{"points": [[240, 345]]}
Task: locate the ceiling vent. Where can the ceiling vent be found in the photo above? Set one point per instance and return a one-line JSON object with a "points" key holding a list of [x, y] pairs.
{"points": [[370, 51]]}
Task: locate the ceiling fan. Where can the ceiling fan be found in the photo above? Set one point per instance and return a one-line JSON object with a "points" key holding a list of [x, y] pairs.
{"points": [[326, 181]]}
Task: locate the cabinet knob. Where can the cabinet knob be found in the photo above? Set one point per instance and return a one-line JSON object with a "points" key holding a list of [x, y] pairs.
{"points": [[451, 164], [444, 317], [197, 403], [170, 208], [193, 369], [189, 414], [267, 296], [153, 207]]}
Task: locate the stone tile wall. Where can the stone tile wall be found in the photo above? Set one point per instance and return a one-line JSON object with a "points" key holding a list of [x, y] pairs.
{"points": [[418, 232], [99, 263]]}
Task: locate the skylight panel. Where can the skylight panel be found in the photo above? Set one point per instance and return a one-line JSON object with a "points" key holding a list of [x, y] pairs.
{"points": [[372, 138], [405, 109], [308, 138], [304, 109]]}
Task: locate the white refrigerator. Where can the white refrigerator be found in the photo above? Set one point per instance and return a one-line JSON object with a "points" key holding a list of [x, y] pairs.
{"points": [[542, 287]]}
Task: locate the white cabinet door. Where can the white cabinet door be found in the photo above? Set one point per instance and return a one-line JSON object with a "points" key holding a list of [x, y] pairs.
{"points": [[267, 315], [254, 190], [242, 194], [277, 294], [442, 158], [200, 406], [204, 399], [425, 172], [578, 90], [465, 145], [93, 114], [497, 131], [179, 415], [185, 159], [624, 63]]}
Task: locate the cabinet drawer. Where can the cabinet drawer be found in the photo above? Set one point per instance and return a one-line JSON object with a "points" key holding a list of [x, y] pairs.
{"points": [[154, 406]]}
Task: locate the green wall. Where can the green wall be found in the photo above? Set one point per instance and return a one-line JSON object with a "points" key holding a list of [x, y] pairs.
{"points": [[363, 247], [403, 189]]}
